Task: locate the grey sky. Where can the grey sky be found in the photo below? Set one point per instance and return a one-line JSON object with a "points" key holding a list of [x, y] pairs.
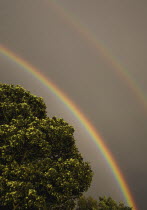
{"points": [[45, 36]]}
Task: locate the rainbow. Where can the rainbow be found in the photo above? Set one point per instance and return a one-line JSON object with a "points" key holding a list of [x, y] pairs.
{"points": [[76, 112], [93, 41]]}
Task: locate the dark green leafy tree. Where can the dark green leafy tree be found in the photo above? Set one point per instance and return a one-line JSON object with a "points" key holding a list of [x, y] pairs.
{"points": [[40, 165], [110, 204], [103, 204], [87, 203]]}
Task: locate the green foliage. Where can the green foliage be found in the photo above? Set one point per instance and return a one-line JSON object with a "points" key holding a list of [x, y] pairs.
{"points": [[40, 165], [87, 203], [103, 204], [110, 204]]}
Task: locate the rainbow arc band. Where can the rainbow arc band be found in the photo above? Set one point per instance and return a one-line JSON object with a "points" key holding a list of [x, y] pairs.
{"points": [[80, 116], [93, 40]]}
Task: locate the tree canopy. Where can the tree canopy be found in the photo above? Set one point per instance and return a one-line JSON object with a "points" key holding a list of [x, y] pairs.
{"points": [[40, 165], [104, 203], [110, 204], [87, 203]]}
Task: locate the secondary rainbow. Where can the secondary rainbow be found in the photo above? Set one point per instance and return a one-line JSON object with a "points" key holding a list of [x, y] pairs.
{"points": [[76, 111], [75, 23]]}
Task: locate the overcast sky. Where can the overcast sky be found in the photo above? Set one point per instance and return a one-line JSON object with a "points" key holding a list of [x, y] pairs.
{"points": [[88, 48]]}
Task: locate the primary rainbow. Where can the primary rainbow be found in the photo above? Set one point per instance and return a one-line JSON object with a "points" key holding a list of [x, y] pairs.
{"points": [[75, 110]]}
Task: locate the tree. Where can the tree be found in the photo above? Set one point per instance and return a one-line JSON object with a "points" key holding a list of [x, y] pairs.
{"points": [[110, 204], [40, 165], [87, 203], [103, 204]]}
